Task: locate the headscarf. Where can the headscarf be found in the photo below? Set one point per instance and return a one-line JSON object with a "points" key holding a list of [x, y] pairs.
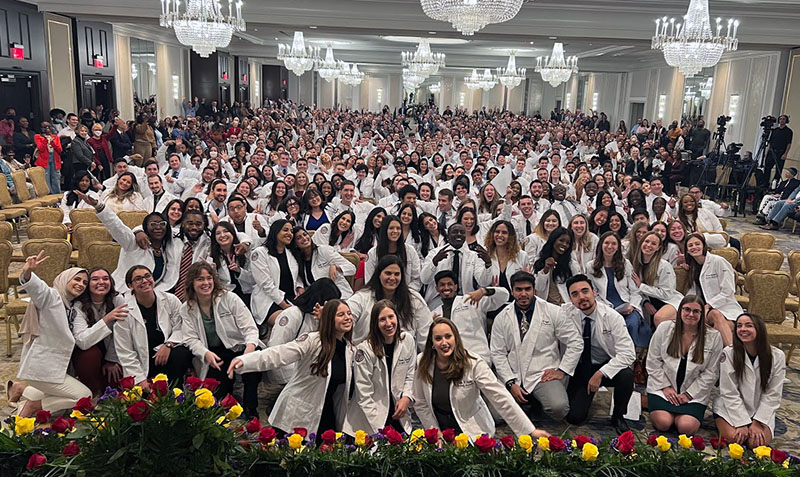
{"points": [[29, 329]]}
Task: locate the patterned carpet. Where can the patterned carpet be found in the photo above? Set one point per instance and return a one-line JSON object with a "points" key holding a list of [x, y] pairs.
{"points": [[787, 432]]}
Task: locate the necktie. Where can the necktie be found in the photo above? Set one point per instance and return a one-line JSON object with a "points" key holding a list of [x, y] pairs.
{"points": [[443, 219], [586, 355], [523, 326], [186, 262], [457, 269], [528, 228], [174, 174]]}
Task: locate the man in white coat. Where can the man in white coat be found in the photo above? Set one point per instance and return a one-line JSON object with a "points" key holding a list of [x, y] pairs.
{"points": [[150, 340], [525, 343], [158, 200], [607, 355]]}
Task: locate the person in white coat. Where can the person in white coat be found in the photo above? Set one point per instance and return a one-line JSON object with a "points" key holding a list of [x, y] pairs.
{"points": [[388, 282], [391, 241], [713, 278], [47, 342], [699, 220], [233, 268], [449, 385], [656, 280], [150, 340], [158, 200], [469, 312], [316, 396], [217, 328], [320, 261], [71, 201], [607, 355], [583, 250], [751, 376], [683, 365], [554, 265], [503, 247], [383, 372], [526, 344], [250, 224]]}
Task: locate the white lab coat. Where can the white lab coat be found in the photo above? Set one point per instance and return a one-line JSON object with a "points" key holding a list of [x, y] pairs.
{"points": [[66, 209], [663, 368], [290, 324], [708, 222], [470, 266], [361, 304], [369, 406], [46, 357], [525, 360], [609, 333], [469, 408], [267, 272], [301, 401], [718, 281], [542, 284], [412, 271], [742, 402], [234, 324], [626, 287], [585, 258], [246, 280], [471, 321], [664, 287], [87, 336], [255, 239], [165, 199], [130, 334], [321, 260], [512, 267]]}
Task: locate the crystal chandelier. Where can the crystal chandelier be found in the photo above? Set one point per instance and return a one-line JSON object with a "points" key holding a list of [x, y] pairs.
{"points": [[690, 46], [473, 81], [350, 75], [556, 69], [469, 16], [329, 69], [298, 58], [486, 81], [423, 61], [510, 76], [411, 79], [435, 87], [202, 25]]}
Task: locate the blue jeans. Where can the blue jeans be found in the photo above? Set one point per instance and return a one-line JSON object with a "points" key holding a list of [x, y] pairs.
{"points": [[639, 329], [782, 209], [53, 176]]}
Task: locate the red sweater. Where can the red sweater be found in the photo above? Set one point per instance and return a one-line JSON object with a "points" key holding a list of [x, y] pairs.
{"points": [[43, 155]]}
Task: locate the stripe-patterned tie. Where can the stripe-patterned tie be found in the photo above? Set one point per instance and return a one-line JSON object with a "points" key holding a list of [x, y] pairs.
{"points": [[186, 262]]}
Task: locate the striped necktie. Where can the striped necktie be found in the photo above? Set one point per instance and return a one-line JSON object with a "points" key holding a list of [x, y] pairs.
{"points": [[186, 262]]}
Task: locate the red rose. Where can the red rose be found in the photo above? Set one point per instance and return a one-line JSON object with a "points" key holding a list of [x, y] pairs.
{"points": [[718, 443], [266, 435], [326, 447], [556, 444], [508, 441], [581, 440], [84, 405], [253, 426], [432, 435], [36, 461], [486, 443], [127, 383], [449, 435], [228, 402], [625, 443], [329, 436], [71, 449], [211, 384], [301, 430], [393, 436], [194, 383], [160, 388], [62, 424], [778, 456], [139, 411], [651, 440], [698, 443], [42, 417]]}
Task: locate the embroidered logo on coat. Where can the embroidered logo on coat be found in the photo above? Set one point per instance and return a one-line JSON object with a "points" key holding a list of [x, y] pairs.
{"points": [[360, 355], [302, 337], [283, 321]]}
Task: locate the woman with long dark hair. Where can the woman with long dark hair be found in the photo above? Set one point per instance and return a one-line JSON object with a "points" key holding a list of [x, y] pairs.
{"points": [[389, 282], [616, 224], [70, 201], [598, 221], [276, 274], [124, 195], [449, 384], [232, 268], [278, 192], [319, 260], [751, 376], [697, 219], [340, 234], [683, 365], [431, 233], [507, 257], [656, 280], [313, 209], [315, 398], [408, 219], [383, 374], [391, 242], [554, 266], [174, 214]]}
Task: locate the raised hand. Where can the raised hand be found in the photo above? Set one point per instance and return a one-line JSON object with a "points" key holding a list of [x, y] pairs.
{"points": [[31, 263]]}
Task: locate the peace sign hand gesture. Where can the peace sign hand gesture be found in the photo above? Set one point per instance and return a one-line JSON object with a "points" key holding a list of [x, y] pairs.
{"points": [[31, 263]]}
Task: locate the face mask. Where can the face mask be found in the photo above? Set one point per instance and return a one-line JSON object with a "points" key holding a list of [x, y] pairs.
{"points": [[213, 154], [97, 133]]}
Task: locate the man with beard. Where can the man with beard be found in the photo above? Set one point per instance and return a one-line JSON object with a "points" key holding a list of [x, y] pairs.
{"points": [[566, 208]]}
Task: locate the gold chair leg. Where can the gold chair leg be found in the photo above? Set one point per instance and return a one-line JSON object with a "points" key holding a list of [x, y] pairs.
{"points": [[8, 336], [15, 224], [789, 354]]}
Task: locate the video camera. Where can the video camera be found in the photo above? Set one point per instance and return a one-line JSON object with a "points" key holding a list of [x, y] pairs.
{"points": [[723, 120], [767, 122]]}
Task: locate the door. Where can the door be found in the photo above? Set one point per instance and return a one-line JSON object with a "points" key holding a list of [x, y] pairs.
{"points": [[225, 94], [98, 91], [21, 91], [637, 112]]}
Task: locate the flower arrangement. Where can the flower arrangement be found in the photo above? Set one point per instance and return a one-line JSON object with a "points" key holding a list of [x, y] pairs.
{"points": [[187, 432]]}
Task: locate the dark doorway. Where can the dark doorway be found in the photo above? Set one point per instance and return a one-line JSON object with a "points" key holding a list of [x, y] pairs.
{"points": [[224, 94], [97, 91], [21, 91]]}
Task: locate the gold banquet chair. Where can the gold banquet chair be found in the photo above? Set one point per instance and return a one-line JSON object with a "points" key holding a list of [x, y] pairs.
{"points": [[100, 254], [132, 218], [5, 260], [40, 187], [11, 211], [757, 240], [47, 215], [83, 216], [681, 279], [21, 184], [47, 231], [84, 234], [768, 292]]}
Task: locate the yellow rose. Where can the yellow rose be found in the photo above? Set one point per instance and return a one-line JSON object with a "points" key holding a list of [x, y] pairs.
{"points": [[24, 425], [526, 442], [177, 392], [762, 452], [663, 444], [295, 441], [786, 464], [590, 452], [221, 419], [160, 377], [78, 415], [234, 412], [684, 441], [417, 434], [544, 443], [462, 441], [735, 451], [361, 438], [338, 435], [203, 398]]}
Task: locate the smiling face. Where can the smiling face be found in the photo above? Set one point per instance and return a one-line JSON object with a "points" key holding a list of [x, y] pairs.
{"points": [[78, 284], [661, 230], [394, 231], [746, 329], [610, 246], [302, 240], [650, 245], [344, 223], [550, 223], [676, 232], [562, 244], [691, 313], [688, 204], [175, 213], [223, 237], [694, 247], [457, 235], [156, 228], [387, 323], [578, 226], [390, 277], [285, 235], [501, 234], [583, 296], [444, 340], [468, 220], [446, 287], [124, 183], [203, 284], [406, 216], [343, 320]]}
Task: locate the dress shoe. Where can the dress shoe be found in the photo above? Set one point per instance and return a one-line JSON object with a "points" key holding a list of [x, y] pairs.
{"points": [[620, 425]]}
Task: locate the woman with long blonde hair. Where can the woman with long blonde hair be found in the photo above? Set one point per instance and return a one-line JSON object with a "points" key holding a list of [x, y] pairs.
{"points": [[656, 280]]}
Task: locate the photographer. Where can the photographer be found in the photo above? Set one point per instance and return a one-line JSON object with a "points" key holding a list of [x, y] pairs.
{"points": [[780, 143], [699, 139]]}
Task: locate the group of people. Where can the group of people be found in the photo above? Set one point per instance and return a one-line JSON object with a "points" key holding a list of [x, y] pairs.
{"points": [[375, 269]]}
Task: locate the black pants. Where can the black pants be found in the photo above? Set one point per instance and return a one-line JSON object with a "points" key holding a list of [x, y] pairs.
{"points": [[179, 361], [580, 399], [251, 380], [774, 160]]}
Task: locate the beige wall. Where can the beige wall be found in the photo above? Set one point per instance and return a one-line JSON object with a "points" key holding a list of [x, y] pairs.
{"points": [[255, 84], [60, 65], [172, 79], [791, 105]]}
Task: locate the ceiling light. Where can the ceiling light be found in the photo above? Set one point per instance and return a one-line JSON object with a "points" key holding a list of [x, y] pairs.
{"points": [[553, 37], [203, 24], [297, 57], [432, 41], [431, 33], [469, 16], [312, 27], [556, 69]]}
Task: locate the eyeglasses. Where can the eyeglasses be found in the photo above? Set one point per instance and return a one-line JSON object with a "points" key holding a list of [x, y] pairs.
{"points": [[158, 223], [691, 311], [146, 276]]}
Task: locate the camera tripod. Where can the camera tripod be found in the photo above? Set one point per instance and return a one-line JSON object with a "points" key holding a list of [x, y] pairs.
{"points": [[719, 145], [763, 152]]}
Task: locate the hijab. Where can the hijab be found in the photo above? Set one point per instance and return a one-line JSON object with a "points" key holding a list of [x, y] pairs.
{"points": [[29, 329]]}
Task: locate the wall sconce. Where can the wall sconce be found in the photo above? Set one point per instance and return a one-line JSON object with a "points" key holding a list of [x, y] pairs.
{"points": [[568, 100], [595, 99], [379, 95], [662, 106], [175, 87], [733, 107]]}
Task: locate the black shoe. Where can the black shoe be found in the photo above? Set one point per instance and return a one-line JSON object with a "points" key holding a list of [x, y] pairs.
{"points": [[620, 425], [760, 220]]}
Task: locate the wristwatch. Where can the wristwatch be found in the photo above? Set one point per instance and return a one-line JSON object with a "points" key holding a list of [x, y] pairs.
{"points": [[510, 383]]}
